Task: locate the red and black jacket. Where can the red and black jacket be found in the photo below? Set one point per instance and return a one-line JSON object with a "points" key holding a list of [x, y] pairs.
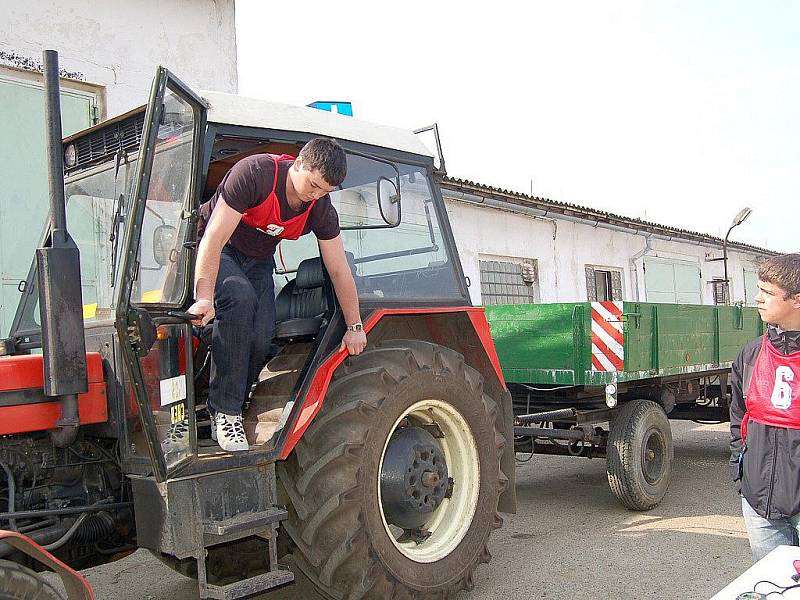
{"points": [[768, 470]]}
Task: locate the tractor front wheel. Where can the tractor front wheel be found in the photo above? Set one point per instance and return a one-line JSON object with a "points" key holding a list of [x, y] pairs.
{"points": [[393, 489], [21, 583]]}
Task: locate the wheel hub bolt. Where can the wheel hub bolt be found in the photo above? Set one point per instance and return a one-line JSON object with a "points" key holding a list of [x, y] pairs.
{"points": [[650, 455], [430, 479]]}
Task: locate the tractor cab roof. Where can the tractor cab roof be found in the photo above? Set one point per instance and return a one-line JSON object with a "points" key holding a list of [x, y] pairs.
{"points": [[230, 109]]}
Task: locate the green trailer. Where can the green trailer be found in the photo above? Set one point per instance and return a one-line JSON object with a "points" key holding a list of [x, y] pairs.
{"points": [[572, 368]]}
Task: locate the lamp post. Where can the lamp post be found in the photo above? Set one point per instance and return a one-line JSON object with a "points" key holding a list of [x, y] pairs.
{"points": [[737, 220]]}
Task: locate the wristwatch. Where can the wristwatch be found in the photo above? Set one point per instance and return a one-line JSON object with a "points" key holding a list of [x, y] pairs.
{"points": [[356, 327]]}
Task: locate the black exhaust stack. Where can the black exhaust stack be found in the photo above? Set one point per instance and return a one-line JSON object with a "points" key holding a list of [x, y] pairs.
{"points": [[60, 299]]}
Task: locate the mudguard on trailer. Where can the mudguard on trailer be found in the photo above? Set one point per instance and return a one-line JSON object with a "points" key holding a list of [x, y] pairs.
{"points": [[77, 587]]}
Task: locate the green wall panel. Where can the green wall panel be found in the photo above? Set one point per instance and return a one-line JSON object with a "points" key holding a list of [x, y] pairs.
{"points": [[23, 170]]}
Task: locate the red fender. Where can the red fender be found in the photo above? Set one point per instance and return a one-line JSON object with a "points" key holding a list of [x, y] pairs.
{"points": [[76, 585], [312, 403]]}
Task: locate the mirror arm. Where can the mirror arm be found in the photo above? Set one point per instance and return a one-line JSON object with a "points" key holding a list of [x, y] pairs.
{"points": [[160, 218]]}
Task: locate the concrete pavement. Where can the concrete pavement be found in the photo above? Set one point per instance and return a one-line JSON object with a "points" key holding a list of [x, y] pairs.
{"points": [[569, 539]]}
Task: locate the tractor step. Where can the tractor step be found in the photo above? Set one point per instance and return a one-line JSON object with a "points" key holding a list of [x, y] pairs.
{"points": [[192, 517], [249, 587], [245, 524]]}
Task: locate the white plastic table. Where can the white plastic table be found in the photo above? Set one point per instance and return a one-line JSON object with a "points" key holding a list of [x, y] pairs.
{"points": [[775, 567]]}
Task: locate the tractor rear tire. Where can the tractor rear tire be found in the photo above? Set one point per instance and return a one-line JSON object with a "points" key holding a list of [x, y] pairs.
{"points": [[21, 583], [346, 541], [639, 455]]}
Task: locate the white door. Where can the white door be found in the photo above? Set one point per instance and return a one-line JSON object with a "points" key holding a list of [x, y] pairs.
{"points": [[672, 281]]}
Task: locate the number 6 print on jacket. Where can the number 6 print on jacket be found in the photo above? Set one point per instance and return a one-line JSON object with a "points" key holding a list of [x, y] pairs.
{"points": [[782, 392]]}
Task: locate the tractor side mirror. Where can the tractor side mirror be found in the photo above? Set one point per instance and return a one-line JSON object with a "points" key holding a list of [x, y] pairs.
{"points": [[163, 243], [389, 200]]}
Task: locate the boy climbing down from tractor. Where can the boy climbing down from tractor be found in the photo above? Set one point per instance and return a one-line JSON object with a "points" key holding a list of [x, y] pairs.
{"points": [[262, 200]]}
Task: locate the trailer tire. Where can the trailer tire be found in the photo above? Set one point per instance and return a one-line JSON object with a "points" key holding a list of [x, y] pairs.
{"points": [[639, 455], [21, 583], [337, 481]]}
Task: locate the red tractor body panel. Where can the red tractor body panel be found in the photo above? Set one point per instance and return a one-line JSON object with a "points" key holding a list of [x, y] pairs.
{"points": [[26, 373]]}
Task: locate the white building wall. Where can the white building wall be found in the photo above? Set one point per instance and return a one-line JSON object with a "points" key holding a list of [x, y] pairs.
{"points": [[118, 45], [564, 248]]}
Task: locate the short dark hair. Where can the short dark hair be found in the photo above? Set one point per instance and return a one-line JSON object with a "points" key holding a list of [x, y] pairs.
{"points": [[327, 156], [784, 271]]}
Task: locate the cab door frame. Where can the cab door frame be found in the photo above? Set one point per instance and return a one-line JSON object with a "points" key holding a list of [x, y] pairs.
{"points": [[136, 323]]}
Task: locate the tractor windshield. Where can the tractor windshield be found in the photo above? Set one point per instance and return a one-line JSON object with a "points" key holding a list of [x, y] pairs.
{"points": [[97, 215], [95, 201], [411, 260]]}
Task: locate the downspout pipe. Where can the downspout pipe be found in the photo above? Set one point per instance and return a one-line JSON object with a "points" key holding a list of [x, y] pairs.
{"points": [[634, 270]]}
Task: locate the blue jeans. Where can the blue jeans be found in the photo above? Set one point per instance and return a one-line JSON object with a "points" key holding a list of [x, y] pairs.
{"points": [[244, 302], [767, 534]]}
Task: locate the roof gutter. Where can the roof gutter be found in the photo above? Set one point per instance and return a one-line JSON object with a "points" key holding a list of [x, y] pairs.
{"points": [[531, 211]]}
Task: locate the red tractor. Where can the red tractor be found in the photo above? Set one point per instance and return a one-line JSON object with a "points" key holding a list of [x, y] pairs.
{"points": [[383, 474]]}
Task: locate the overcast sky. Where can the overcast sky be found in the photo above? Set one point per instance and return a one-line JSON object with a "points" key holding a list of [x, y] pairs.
{"points": [[680, 112]]}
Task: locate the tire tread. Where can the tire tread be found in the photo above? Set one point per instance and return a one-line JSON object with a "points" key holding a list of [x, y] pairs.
{"points": [[623, 478], [322, 476]]}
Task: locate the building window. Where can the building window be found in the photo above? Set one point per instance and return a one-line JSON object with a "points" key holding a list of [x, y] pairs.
{"points": [[720, 291], [506, 282], [750, 287], [603, 285]]}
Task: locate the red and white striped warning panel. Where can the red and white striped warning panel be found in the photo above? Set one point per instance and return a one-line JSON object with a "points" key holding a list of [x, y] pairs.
{"points": [[607, 337]]}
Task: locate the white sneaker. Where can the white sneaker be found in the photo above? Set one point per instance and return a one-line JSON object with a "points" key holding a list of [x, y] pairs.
{"points": [[228, 431]]}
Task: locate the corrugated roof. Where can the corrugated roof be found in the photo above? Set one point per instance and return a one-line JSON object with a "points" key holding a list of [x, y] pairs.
{"points": [[564, 208]]}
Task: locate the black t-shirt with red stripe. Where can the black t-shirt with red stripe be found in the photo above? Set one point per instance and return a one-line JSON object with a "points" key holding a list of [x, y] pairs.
{"points": [[247, 185]]}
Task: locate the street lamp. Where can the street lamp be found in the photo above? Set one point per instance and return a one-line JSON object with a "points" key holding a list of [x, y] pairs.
{"points": [[737, 220]]}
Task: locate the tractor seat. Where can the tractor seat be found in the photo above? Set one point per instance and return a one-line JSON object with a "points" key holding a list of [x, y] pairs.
{"points": [[301, 305]]}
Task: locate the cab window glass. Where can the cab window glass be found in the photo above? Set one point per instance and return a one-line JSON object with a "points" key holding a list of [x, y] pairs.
{"points": [[162, 279], [407, 261]]}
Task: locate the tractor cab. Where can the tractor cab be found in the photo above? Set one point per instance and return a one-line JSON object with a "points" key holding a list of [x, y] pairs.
{"points": [[133, 188]]}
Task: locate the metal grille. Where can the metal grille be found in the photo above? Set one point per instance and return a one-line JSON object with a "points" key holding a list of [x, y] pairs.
{"points": [[104, 142], [720, 291], [502, 283]]}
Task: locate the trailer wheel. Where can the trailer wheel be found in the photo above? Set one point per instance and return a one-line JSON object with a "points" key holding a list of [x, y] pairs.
{"points": [[639, 455], [21, 583], [393, 489]]}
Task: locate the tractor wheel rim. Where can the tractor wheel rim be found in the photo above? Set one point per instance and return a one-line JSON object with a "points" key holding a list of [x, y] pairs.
{"points": [[449, 523], [653, 451]]}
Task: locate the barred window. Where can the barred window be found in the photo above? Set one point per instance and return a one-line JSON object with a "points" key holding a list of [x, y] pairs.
{"points": [[720, 291], [505, 282]]}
